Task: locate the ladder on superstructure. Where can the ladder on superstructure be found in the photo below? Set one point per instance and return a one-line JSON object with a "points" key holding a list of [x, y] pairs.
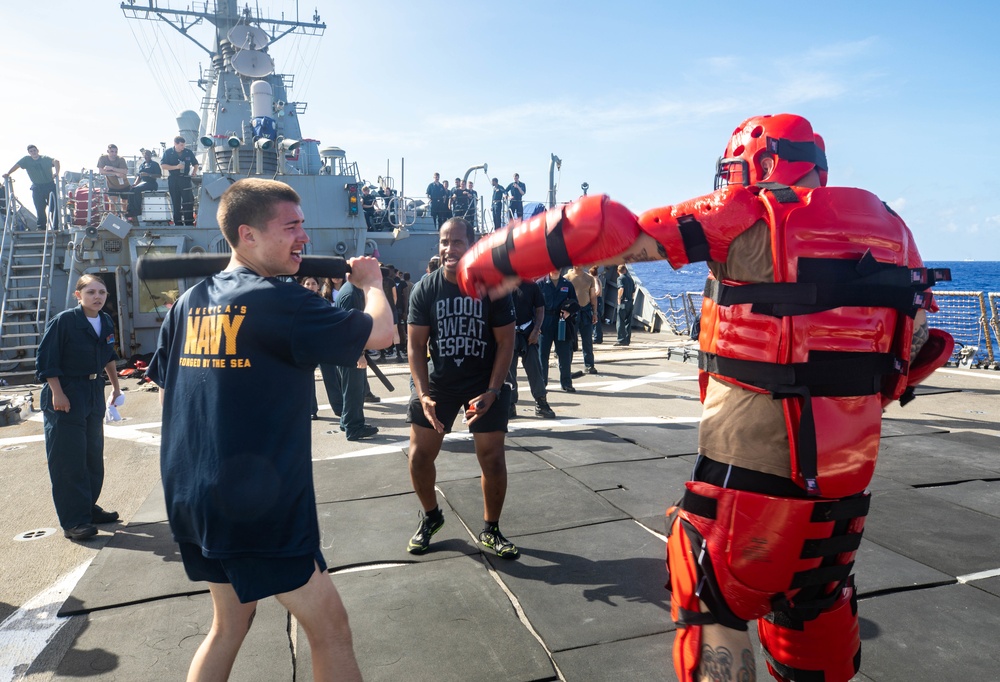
{"points": [[25, 305]]}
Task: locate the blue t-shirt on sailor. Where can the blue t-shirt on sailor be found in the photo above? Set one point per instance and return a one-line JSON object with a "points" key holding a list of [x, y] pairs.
{"points": [[236, 357]]}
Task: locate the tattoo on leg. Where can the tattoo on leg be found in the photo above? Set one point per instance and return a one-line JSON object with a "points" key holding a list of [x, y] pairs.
{"points": [[716, 664], [748, 671]]}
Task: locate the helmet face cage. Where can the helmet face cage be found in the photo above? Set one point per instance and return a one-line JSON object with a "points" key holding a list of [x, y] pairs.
{"points": [[731, 171]]}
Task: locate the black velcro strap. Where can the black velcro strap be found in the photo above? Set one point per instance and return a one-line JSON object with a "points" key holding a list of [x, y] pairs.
{"points": [[555, 242], [827, 283], [501, 255], [789, 150], [821, 575], [783, 193], [813, 549], [695, 243], [687, 617], [699, 505], [827, 374], [841, 510]]}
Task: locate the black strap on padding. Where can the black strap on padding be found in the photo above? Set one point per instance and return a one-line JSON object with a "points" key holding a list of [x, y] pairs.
{"points": [[790, 150], [826, 374], [555, 242], [783, 193], [841, 510], [501, 255], [822, 575], [688, 617], [699, 505], [695, 242], [827, 283], [813, 549]]}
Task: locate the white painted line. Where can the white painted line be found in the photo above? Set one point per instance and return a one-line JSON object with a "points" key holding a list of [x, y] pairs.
{"points": [[981, 575], [26, 632], [658, 377], [972, 373]]}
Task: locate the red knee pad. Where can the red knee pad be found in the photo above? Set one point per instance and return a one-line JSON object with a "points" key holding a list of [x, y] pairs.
{"points": [[826, 649]]}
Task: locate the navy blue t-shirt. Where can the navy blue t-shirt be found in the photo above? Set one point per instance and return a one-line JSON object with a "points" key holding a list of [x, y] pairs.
{"points": [[236, 357], [461, 341]]}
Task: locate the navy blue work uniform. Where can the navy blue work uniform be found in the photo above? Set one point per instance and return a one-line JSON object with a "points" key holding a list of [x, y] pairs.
{"points": [[527, 297], [559, 295], [74, 441], [627, 286], [179, 184]]}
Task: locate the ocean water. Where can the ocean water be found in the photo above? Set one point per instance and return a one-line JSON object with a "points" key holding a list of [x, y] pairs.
{"points": [[960, 316], [660, 279]]}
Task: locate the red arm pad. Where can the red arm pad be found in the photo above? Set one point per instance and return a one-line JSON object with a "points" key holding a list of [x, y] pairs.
{"points": [[701, 229], [935, 353], [587, 231]]}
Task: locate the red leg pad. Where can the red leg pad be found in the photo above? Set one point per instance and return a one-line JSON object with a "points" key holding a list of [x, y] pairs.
{"points": [[681, 565], [826, 649]]}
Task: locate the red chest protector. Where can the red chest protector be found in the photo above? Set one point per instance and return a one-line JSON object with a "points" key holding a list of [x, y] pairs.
{"points": [[831, 336]]}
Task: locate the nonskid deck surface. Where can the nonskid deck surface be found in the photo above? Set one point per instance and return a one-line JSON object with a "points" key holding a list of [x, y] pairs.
{"points": [[585, 504]]}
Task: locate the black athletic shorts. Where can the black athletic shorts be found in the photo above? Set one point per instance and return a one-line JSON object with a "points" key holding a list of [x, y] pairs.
{"points": [[253, 578], [495, 418]]}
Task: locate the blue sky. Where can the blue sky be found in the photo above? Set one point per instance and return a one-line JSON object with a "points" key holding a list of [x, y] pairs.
{"points": [[638, 98]]}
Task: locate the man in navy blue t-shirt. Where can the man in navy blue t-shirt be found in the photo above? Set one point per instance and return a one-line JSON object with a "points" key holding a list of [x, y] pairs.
{"points": [[471, 342], [236, 465]]}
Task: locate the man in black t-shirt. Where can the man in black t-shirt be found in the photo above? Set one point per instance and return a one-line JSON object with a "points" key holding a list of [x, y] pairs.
{"points": [[529, 309], [237, 467], [471, 342]]}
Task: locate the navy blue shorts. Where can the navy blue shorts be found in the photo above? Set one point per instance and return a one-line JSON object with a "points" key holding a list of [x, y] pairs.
{"points": [[447, 409], [252, 578]]}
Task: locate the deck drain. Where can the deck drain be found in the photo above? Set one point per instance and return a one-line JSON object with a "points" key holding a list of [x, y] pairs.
{"points": [[34, 534], [11, 448]]}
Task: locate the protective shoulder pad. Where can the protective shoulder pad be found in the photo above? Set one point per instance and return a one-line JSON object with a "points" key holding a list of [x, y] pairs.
{"points": [[702, 229]]}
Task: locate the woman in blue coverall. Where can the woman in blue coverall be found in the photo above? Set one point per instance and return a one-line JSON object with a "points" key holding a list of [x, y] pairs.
{"points": [[76, 351]]}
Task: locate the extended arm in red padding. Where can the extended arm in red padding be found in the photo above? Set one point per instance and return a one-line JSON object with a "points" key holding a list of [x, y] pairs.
{"points": [[587, 231], [702, 229]]}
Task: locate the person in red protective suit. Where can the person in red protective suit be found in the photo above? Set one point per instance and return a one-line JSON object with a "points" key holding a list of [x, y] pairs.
{"points": [[814, 317]]}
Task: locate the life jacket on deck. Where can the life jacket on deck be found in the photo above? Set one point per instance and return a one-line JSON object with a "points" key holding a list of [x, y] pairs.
{"points": [[831, 336]]}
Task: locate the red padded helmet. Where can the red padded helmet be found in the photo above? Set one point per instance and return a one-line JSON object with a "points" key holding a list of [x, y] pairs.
{"points": [[788, 138]]}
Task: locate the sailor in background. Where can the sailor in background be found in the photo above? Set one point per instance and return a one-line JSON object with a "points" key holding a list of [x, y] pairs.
{"points": [[145, 181], [43, 171], [76, 352], [814, 318], [182, 165]]}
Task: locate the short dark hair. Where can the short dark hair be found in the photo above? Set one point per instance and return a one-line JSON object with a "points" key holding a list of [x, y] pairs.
{"points": [[180, 138], [470, 231], [32, 146], [251, 202]]}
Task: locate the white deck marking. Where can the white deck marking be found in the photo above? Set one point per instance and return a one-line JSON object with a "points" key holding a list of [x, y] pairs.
{"points": [[27, 631], [971, 373], [981, 575], [658, 377]]}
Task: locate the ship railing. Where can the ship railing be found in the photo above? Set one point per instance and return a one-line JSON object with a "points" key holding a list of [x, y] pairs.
{"points": [[966, 315]]}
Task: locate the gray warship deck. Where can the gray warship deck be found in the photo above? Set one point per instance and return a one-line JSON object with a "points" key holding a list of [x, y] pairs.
{"points": [[585, 504]]}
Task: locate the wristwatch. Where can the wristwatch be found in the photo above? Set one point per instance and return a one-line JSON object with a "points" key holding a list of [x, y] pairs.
{"points": [[494, 391]]}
